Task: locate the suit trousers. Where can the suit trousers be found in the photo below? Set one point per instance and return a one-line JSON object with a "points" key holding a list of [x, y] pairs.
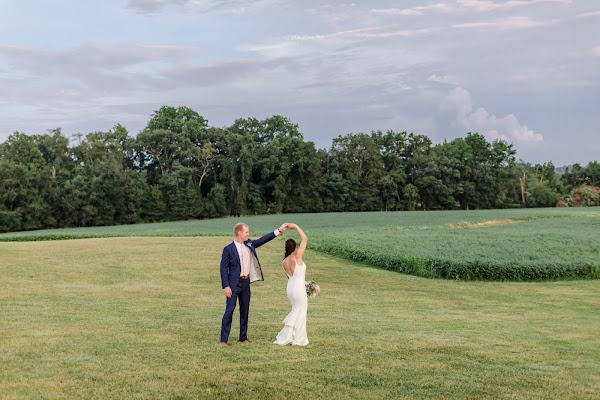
{"points": [[241, 292]]}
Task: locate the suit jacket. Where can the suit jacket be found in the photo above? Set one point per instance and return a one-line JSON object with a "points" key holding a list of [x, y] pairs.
{"points": [[231, 266]]}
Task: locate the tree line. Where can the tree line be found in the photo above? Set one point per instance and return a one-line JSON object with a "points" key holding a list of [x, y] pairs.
{"points": [[178, 167]]}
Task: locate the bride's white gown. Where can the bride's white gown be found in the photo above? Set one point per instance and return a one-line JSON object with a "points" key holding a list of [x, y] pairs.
{"points": [[294, 331]]}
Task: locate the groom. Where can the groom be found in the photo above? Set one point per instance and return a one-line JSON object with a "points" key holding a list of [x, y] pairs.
{"points": [[239, 268]]}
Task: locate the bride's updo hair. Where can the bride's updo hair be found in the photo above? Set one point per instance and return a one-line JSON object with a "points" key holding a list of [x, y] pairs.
{"points": [[290, 246]]}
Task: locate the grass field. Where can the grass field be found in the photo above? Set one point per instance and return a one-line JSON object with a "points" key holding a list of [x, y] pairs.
{"points": [[309, 222], [140, 317]]}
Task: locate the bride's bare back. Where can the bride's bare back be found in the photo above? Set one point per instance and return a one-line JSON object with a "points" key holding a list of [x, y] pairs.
{"points": [[289, 265]]}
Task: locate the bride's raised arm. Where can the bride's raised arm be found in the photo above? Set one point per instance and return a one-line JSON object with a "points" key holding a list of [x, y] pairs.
{"points": [[304, 240]]}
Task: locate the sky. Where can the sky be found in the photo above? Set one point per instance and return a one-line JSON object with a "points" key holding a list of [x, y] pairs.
{"points": [[525, 71]]}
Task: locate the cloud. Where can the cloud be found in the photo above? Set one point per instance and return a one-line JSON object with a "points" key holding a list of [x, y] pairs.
{"points": [[335, 43], [94, 73], [588, 14], [515, 22], [415, 11], [462, 6], [596, 50], [195, 75], [152, 6], [480, 120], [91, 56], [446, 79], [364, 33], [487, 6], [83, 74], [236, 7]]}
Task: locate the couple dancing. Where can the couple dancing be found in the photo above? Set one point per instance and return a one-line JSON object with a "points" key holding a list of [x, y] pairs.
{"points": [[240, 267]]}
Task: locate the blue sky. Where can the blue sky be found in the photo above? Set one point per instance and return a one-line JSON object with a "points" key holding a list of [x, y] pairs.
{"points": [[527, 71]]}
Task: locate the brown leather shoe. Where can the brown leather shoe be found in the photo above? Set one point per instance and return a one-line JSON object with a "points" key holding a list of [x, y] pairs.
{"points": [[223, 344]]}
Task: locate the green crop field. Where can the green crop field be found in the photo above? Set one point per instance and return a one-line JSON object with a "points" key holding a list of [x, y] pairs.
{"points": [[139, 318], [328, 221], [520, 244]]}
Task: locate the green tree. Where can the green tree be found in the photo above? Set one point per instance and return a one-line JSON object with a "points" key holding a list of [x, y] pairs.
{"points": [[389, 191], [411, 193], [134, 189], [281, 159], [185, 203], [308, 182], [415, 155], [76, 209], [592, 172], [216, 202], [584, 195], [107, 193], [357, 156], [541, 195], [338, 192], [576, 176], [237, 161], [27, 184], [154, 207], [590, 197], [175, 152], [392, 146], [544, 173]]}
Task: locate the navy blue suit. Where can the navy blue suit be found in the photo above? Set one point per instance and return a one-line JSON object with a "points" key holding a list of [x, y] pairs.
{"points": [[240, 288]]}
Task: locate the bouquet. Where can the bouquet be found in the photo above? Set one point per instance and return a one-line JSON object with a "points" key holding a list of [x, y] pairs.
{"points": [[311, 289]]}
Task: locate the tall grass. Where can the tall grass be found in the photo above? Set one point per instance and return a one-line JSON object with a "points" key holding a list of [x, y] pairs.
{"points": [[554, 248], [523, 244]]}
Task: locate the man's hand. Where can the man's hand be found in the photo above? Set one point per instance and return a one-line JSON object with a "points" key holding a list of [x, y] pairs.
{"points": [[227, 291], [283, 227]]}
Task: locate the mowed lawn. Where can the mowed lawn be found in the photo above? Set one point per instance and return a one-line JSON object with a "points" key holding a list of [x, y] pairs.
{"points": [[140, 318]]}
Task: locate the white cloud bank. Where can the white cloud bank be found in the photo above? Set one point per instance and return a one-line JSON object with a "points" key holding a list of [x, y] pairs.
{"points": [[481, 121]]}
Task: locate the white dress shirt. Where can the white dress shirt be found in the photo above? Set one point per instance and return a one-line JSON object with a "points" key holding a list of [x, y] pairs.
{"points": [[244, 255]]}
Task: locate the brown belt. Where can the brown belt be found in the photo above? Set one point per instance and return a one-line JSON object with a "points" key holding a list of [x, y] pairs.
{"points": [[244, 277]]}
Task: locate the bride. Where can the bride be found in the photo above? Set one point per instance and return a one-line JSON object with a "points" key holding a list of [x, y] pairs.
{"points": [[294, 331]]}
